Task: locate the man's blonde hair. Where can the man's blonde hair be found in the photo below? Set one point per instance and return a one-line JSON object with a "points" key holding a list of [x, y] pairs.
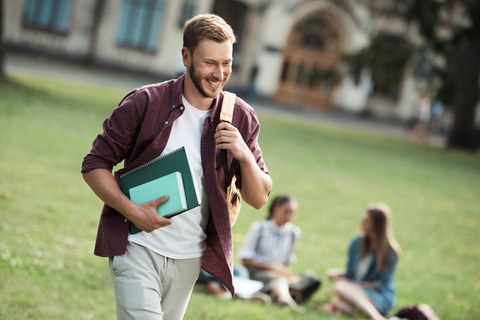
{"points": [[206, 26]]}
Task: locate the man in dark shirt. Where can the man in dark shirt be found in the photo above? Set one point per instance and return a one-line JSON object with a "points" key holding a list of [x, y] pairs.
{"points": [[154, 271]]}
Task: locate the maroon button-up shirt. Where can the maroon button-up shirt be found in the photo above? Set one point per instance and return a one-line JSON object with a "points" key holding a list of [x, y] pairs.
{"points": [[137, 131]]}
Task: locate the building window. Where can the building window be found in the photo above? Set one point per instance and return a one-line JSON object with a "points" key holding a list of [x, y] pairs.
{"points": [[187, 12], [140, 24], [47, 15]]}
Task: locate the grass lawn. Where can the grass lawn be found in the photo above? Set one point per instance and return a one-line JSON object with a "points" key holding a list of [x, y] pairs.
{"points": [[49, 216]]}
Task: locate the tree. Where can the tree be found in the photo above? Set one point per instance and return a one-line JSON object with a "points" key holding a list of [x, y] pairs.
{"points": [[451, 31], [2, 47], [450, 56]]}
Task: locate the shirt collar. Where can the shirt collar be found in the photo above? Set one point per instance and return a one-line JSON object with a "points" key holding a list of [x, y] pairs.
{"points": [[178, 92]]}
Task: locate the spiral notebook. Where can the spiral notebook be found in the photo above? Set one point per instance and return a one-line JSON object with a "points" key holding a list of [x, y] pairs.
{"points": [[164, 170]]}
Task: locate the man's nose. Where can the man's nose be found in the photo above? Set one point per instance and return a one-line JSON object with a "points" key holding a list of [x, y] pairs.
{"points": [[218, 73]]}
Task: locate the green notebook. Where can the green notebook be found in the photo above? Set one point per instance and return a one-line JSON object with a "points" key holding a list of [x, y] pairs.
{"points": [[151, 173]]}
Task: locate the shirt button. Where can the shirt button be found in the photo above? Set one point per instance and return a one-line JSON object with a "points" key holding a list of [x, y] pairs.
{"points": [[125, 220], [181, 108], [166, 122]]}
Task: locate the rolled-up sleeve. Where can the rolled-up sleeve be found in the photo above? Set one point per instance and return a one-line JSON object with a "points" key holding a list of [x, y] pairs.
{"points": [[115, 141], [250, 130]]}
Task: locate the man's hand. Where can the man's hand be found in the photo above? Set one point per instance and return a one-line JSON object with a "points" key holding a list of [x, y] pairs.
{"points": [[146, 216], [256, 184], [228, 138]]}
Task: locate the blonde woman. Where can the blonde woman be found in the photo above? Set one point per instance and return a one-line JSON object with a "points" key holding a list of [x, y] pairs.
{"points": [[368, 283]]}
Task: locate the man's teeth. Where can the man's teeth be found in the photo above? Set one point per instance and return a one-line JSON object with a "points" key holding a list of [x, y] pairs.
{"points": [[217, 83]]}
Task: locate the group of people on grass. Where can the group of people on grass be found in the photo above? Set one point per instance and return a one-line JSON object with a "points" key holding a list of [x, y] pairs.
{"points": [[365, 285]]}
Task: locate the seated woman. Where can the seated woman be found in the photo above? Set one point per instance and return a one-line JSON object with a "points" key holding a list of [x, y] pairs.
{"points": [[268, 250], [368, 283]]}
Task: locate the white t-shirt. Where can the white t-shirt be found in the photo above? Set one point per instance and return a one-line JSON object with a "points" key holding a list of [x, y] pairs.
{"points": [[185, 237]]}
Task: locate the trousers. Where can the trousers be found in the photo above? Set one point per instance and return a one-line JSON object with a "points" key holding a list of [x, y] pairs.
{"points": [[149, 286]]}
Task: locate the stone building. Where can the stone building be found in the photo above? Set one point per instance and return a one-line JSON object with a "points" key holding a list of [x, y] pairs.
{"points": [[288, 50]]}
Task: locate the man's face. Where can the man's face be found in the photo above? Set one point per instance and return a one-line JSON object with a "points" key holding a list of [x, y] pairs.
{"points": [[210, 67]]}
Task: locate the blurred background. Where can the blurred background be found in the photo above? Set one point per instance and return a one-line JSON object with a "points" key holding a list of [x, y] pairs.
{"points": [[393, 61], [409, 70]]}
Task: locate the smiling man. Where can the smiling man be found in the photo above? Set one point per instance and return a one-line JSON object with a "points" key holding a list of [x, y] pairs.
{"points": [[154, 271]]}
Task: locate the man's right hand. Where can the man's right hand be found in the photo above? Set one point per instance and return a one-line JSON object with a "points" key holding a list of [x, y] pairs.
{"points": [[146, 216]]}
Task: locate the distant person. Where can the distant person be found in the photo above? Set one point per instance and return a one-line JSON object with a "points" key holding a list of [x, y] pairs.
{"points": [[154, 271], [422, 116], [367, 285], [268, 251], [436, 122]]}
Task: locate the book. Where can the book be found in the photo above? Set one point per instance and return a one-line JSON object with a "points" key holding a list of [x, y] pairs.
{"points": [[171, 184], [161, 166], [245, 287]]}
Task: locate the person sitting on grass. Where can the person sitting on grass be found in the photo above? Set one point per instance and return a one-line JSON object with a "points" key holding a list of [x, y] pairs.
{"points": [[269, 249], [368, 285]]}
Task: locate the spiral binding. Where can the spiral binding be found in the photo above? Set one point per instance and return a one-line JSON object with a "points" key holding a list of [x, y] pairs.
{"points": [[150, 162]]}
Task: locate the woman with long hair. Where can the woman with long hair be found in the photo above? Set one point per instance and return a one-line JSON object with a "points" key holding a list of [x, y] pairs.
{"points": [[368, 285]]}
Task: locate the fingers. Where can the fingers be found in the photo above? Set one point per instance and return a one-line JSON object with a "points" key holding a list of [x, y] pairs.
{"points": [[227, 137], [160, 221], [158, 201], [148, 219], [224, 126], [225, 134]]}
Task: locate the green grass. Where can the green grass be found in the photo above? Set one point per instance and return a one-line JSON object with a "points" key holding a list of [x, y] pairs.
{"points": [[49, 216]]}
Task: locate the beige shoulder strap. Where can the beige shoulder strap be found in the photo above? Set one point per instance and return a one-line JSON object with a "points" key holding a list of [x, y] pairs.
{"points": [[228, 105]]}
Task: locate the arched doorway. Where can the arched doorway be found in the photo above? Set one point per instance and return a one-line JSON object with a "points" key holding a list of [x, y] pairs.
{"points": [[310, 59]]}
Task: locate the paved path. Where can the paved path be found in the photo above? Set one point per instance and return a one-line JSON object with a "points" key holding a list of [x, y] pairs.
{"points": [[19, 64]]}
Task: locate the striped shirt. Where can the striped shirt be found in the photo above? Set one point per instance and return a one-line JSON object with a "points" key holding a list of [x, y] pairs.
{"points": [[268, 242]]}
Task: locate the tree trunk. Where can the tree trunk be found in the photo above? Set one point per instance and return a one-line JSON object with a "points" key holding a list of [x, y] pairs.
{"points": [[463, 134], [465, 71], [2, 47], [97, 13]]}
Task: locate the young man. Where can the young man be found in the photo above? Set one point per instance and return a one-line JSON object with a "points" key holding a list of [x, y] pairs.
{"points": [[154, 271]]}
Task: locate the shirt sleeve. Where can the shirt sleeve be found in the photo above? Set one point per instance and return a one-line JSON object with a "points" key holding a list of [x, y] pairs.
{"points": [[296, 232], [248, 249], [118, 135], [353, 252], [385, 277], [250, 130]]}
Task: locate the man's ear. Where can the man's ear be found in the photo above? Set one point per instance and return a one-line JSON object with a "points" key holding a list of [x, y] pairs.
{"points": [[186, 57]]}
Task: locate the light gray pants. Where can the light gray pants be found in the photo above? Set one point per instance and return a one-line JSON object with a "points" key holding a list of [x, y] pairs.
{"points": [[149, 286]]}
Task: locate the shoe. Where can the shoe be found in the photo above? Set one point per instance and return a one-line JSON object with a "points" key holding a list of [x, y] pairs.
{"points": [[259, 297]]}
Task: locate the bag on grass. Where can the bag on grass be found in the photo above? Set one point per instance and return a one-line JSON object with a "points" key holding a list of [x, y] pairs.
{"points": [[303, 289]]}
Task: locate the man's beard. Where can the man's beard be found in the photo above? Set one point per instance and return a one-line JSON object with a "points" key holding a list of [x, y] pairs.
{"points": [[196, 82]]}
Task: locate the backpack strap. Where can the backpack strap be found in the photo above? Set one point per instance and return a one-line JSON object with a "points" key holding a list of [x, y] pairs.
{"points": [[228, 104], [226, 115]]}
